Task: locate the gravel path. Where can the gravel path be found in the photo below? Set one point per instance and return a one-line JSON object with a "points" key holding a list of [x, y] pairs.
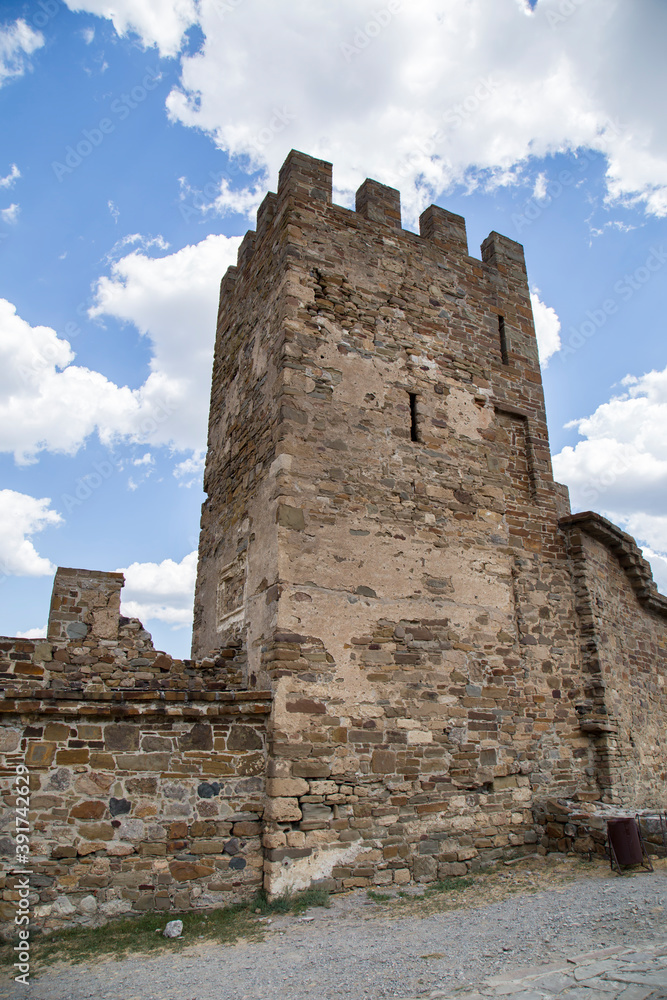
{"points": [[361, 949]]}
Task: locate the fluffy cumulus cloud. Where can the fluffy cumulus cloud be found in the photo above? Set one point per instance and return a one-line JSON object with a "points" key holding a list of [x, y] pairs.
{"points": [[9, 179], [620, 466], [21, 517], [47, 402], [156, 22], [173, 301], [10, 214], [420, 95], [33, 633], [426, 94], [547, 327], [161, 591], [17, 42]]}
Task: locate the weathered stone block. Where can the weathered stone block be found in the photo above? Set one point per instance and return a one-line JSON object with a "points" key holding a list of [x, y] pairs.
{"points": [[40, 754], [282, 810], [244, 738], [383, 762], [122, 737], [290, 517], [286, 787]]}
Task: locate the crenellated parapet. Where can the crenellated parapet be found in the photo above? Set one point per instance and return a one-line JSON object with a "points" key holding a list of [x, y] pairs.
{"points": [[308, 182]]}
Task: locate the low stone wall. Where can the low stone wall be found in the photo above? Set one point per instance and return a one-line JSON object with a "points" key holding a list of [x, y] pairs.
{"points": [[564, 826], [136, 802], [126, 663]]}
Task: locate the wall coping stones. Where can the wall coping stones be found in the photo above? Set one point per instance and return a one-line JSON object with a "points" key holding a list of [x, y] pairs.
{"points": [[144, 703], [626, 550]]}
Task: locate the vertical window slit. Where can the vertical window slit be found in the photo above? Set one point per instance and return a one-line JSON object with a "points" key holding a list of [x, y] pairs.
{"points": [[503, 340], [414, 430]]}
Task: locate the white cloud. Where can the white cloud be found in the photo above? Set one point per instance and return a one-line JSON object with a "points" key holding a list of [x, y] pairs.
{"points": [[191, 470], [547, 327], [32, 633], [157, 22], [227, 200], [48, 403], [173, 301], [132, 240], [434, 93], [10, 214], [88, 35], [620, 468], [22, 516], [162, 591], [659, 567], [540, 187], [13, 175], [17, 41]]}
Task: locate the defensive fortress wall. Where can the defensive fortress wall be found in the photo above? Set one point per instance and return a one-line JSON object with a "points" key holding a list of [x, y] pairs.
{"points": [[146, 773], [404, 643]]}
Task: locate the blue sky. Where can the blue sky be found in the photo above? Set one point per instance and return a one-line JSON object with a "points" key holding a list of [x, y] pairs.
{"points": [[138, 138]]}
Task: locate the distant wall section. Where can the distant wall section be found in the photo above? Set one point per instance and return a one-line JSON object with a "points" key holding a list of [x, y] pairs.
{"points": [[624, 643]]}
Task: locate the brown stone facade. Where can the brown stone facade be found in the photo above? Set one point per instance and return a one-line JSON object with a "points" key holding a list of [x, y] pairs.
{"points": [[415, 645], [146, 774]]}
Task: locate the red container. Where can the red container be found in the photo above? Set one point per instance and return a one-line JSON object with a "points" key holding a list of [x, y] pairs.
{"points": [[623, 836]]}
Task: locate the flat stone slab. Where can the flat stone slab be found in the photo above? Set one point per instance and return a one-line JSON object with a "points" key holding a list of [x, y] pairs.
{"points": [[601, 953], [591, 969], [607, 974]]}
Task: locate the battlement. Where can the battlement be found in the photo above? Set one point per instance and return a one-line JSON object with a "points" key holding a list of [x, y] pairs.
{"points": [[308, 182]]}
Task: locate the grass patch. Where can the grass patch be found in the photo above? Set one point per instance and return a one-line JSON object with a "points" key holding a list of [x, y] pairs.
{"points": [[449, 885], [290, 902], [429, 890], [144, 933], [378, 897], [310, 897]]}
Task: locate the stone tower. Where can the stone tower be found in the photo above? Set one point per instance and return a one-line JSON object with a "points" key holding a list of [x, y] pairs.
{"points": [[381, 531]]}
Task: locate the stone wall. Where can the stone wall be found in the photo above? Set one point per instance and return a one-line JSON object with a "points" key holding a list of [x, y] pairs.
{"points": [[625, 655], [147, 774], [565, 826]]}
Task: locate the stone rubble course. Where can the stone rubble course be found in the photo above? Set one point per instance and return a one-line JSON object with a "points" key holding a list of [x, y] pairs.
{"points": [[598, 937]]}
